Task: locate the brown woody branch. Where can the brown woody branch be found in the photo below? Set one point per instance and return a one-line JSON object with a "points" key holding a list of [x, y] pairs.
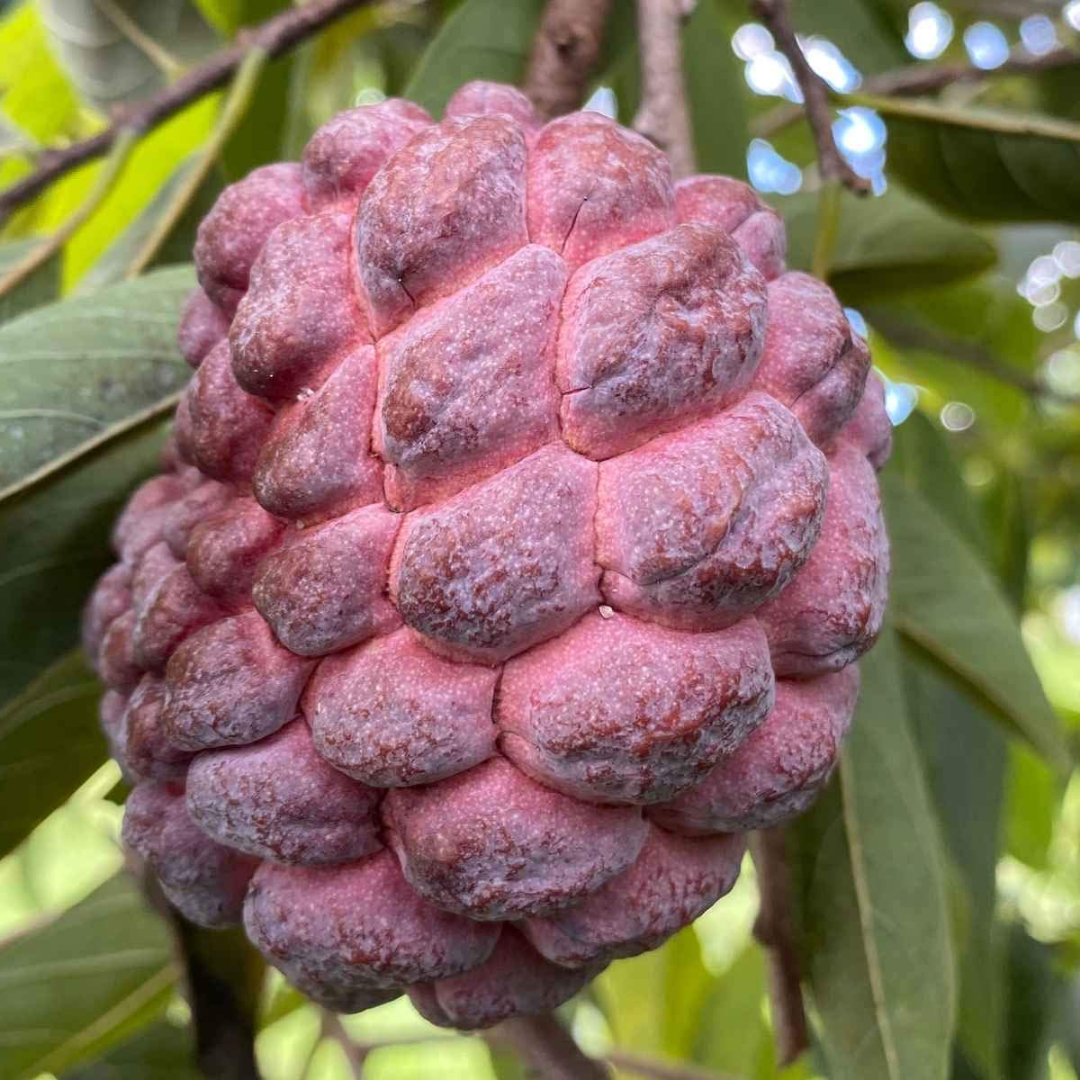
{"points": [[774, 14], [564, 53], [664, 116], [275, 36], [774, 929]]}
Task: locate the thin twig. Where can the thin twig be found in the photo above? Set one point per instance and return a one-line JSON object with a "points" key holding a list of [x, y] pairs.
{"points": [[276, 36], [774, 14], [50, 245], [564, 54], [153, 50], [999, 122], [774, 929], [664, 116], [913, 80], [333, 1028], [232, 113], [548, 1048]]}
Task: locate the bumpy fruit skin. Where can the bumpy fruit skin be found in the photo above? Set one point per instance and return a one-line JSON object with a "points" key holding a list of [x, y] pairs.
{"points": [[510, 557]]}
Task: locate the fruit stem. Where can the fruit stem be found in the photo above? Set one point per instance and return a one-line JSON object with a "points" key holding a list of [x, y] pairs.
{"points": [[774, 929], [548, 1049]]}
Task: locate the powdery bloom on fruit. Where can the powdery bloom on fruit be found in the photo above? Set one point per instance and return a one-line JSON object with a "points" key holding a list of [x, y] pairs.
{"points": [[513, 544]]}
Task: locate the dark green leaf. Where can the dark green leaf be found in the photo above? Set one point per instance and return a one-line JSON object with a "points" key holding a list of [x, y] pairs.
{"points": [[483, 39], [1033, 986], [162, 1051], [120, 258], [964, 753], [259, 137], [946, 604], [39, 288], [78, 369], [886, 244], [54, 541], [922, 459], [861, 29], [105, 61], [715, 91], [72, 988], [50, 743], [987, 166], [874, 907]]}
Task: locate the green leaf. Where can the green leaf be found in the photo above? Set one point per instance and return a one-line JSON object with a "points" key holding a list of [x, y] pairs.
{"points": [[921, 457], [984, 165], [77, 371], [715, 91], [965, 755], [860, 29], [54, 540], [162, 1051], [653, 1001], [50, 742], [107, 62], [1033, 985], [39, 288], [228, 16], [874, 909], [482, 39], [886, 244], [83, 982], [121, 257], [1030, 807], [731, 1029], [946, 604], [259, 137]]}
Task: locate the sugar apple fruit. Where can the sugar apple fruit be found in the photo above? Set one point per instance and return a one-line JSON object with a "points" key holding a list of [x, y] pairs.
{"points": [[515, 541]]}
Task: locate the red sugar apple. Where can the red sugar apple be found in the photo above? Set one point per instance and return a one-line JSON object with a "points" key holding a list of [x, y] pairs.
{"points": [[510, 559]]}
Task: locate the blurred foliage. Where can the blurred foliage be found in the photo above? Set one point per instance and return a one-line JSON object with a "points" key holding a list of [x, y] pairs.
{"points": [[938, 880]]}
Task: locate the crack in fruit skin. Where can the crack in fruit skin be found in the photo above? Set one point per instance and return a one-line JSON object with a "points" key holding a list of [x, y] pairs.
{"points": [[511, 553]]}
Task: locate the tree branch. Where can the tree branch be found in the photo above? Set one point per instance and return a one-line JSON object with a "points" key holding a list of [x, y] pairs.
{"points": [[547, 1048], [564, 54], [222, 977], [774, 14], [775, 931], [664, 116], [275, 36], [914, 80]]}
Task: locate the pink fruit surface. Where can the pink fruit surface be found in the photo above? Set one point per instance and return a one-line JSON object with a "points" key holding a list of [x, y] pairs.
{"points": [[512, 546]]}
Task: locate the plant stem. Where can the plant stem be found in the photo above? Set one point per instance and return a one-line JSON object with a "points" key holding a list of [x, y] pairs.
{"points": [[774, 14], [547, 1047], [277, 35], [775, 931], [233, 110], [827, 228], [663, 116]]}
